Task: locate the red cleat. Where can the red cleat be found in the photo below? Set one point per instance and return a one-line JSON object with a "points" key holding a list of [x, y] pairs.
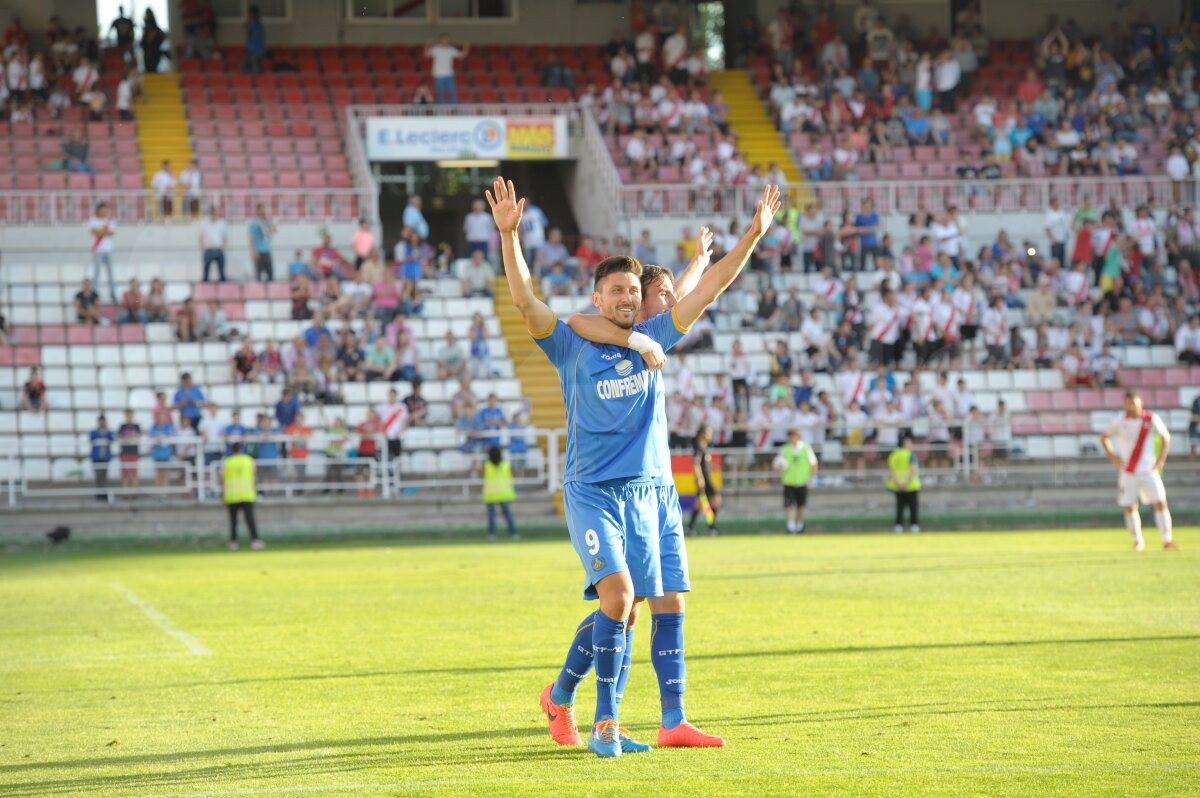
{"points": [[685, 735], [1172, 546], [562, 720]]}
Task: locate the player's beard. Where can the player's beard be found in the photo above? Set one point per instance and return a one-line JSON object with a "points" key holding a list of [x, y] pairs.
{"points": [[625, 320]]}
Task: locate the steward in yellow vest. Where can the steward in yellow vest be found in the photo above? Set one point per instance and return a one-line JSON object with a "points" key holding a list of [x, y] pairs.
{"points": [[498, 491], [798, 462], [904, 480], [241, 491]]}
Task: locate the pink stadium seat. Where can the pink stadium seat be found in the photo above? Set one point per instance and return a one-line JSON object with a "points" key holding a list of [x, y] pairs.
{"points": [[278, 290], [1152, 378], [28, 356], [132, 334], [1063, 400], [1037, 400], [106, 335], [79, 334], [8, 356], [254, 291]]}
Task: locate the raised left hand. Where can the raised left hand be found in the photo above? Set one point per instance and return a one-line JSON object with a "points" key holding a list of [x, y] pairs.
{"points": [[765, 212]]}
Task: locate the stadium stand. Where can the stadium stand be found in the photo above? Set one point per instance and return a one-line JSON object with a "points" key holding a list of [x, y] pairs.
{"points": [[1058, 355]]}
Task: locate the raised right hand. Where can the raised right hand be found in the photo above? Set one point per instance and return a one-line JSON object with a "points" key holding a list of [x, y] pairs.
{"points": [[506, 208]]}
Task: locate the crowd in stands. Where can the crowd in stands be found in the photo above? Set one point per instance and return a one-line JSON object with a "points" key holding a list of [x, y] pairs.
{"points": [[1082, 106], [43, 79], [189, 430]]}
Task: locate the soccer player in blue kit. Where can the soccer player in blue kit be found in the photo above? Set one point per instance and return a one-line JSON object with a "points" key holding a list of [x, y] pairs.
{"points": [[615, 466]]}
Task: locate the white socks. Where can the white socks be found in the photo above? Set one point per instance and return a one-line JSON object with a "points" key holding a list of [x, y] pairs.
{"points": [[1162, 519], [1133, 522]]}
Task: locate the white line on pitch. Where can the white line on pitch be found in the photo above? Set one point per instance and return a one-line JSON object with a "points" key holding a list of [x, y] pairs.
{"points": [[162, 621], [68, 659]]}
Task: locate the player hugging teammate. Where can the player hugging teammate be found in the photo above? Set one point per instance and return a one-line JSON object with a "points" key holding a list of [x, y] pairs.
{"points": [[622, 511]]}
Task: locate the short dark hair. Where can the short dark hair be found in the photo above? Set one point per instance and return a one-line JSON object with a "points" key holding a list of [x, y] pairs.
{"points": [[652, 273], [236, 446], [616, 264]]}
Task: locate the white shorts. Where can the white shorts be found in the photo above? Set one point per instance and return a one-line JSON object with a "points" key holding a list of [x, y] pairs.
{"points": [[1148, 488]]}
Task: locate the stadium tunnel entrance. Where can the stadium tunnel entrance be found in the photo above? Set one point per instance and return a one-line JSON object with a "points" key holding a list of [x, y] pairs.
{"points": [[447, 194]]}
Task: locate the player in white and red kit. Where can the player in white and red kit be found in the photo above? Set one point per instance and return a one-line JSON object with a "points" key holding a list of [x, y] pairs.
{"points": [[1140, 480]]}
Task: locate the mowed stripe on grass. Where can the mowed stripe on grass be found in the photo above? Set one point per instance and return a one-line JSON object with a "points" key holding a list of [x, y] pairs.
{"points": [[1003, 663]]}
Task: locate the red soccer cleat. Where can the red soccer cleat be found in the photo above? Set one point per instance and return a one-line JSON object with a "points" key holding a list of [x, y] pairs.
{"points": [[685, 735], [562, 720], [1172, 546]]}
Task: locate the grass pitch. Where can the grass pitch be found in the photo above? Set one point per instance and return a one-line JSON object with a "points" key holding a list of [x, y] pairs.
{"points": [[1052, 663]]}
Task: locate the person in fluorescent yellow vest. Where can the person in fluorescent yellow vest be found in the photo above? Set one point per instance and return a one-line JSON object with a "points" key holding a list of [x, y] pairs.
{"points": [[904, 480], [798, 463], [240, 493], [498, 491]]}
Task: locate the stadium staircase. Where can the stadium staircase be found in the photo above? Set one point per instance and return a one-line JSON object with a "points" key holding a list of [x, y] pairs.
{"points": [[756, 133], [163, 125]]}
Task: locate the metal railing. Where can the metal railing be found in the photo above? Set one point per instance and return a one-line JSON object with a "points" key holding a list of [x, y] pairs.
{"points": [[1030, 195], [952, 452], [190, 473], [75, 207]]}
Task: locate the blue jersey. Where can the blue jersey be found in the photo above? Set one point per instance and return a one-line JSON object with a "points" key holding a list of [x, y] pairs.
{"points": [[616, 417]]}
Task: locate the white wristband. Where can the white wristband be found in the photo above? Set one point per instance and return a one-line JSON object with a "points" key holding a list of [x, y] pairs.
{"points": [[642, 343]]}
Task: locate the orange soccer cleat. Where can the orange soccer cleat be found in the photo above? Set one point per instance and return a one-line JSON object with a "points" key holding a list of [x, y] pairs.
{"points": [[685, 735], [1172, 546], [562, 720]]}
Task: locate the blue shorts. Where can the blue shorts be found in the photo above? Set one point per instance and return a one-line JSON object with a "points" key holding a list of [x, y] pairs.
{"points": [[614, 527], [672, 552]]}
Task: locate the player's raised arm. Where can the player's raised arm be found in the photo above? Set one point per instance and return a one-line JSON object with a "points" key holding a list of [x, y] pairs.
{"points": [[716, 279], [685, 283], [600, 330], [507, 210]]}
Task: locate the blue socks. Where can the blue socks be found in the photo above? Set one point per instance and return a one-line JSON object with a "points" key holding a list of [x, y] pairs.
{"points": [[666, 653], [608, 647], [623, 676], [579, 662]]}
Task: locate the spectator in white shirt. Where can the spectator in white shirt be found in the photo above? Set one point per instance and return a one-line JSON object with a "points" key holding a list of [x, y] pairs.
{"points": [[84, 78], [477, 275], [443, 55], [125, 97], [645, 48], [102, 228], [189, 182], [946, 77], [1178, 168], [674, 56], [1058, 227], [477, 227], [164, 189], [213, 235]]}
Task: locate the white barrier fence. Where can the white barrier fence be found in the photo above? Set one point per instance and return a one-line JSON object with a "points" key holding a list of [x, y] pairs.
{"points": [[1031, 195], [134, 206], [954, 453]]}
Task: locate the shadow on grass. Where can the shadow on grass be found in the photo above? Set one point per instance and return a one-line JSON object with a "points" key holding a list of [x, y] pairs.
{"points": [[550, 668], [904, 711], [949, 566], [300, 757]]}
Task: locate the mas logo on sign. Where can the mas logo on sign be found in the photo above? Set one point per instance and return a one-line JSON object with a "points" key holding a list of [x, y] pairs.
{"points": [[531, 140]]}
